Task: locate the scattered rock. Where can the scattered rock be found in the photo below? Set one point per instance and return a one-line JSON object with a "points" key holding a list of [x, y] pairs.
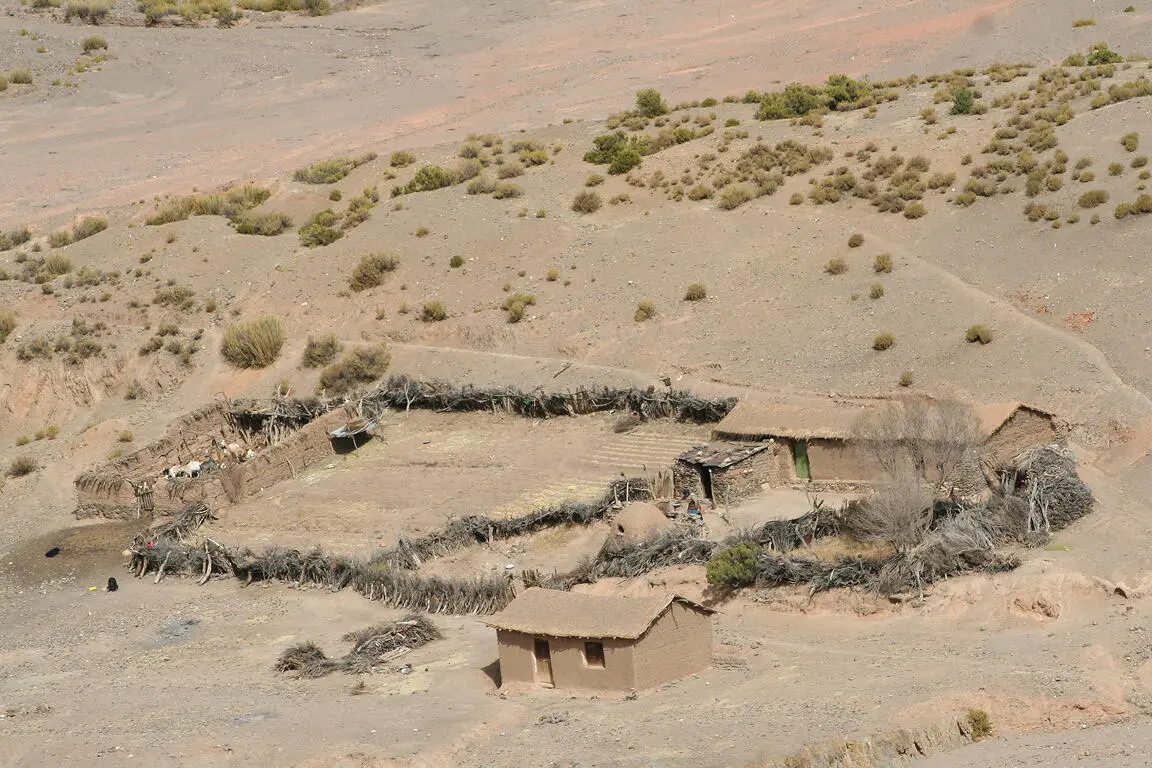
{"points": [[554, 718]]}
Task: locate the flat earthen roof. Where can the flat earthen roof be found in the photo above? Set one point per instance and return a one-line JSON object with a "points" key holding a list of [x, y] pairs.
{"points": [[555, 613]]}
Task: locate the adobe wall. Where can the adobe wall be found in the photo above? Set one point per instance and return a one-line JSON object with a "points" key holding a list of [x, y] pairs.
{"points": [[748, 477], [841, 460], [518, 662], [1025, 429], [677, 644]]}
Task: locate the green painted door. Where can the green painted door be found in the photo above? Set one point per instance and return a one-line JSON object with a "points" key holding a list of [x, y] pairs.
{"points": [[800, 452]]}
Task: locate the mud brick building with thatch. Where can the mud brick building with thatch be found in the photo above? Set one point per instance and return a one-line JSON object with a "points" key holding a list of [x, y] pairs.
{"points": [[561, 639], [726, 472], [814, 437]]}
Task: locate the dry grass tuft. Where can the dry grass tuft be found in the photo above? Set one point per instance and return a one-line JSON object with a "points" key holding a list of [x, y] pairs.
{"points": [[883, 341], [253, 344], [836, 266], [362, 365], [696, 292], [372, 270], [586, 202], [331, 171], [7, 324], [433, 311], [21, 466], [320, 351], [978, 333], [645, 310]]}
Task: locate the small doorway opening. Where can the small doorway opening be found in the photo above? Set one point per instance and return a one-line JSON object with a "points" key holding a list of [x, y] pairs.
{"points": [[543, 662], [705, 481], [800, 454]]}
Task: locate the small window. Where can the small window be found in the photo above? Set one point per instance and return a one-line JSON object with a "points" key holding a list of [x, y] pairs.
{"points": [[594, 654]]}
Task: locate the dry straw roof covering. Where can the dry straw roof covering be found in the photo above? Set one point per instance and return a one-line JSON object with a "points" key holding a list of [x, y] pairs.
{"points": [[556, 613], [833, 419]]}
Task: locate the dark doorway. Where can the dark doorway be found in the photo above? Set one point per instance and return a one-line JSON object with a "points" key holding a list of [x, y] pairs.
{"points": [[800, 454], [705, 481]]}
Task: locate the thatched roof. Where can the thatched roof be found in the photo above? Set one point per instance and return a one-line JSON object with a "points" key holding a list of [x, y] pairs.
{"points": [[554, 613], [796, 418], [721, 455], [993, 416]]}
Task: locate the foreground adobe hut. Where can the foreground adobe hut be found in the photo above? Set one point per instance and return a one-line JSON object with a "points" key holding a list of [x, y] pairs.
{"points": [[814, 437], [565, 640]]}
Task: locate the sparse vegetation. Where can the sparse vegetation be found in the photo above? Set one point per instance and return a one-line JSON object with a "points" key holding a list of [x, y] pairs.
{"points": [[856, 240], [962, 101], [650, 103], [915, 210], [696, 292], [978, 333], [1130, 141], [20, 77], [253, 344], [21, 466], [14, 237], [402, 159], [320, 351], [883, 341], [230, 202], [456, 261], [93, 43], [266, 224], [586, 202], [433, 311], [1083, 23], [362, 365], [876, 291], [552, 275], [7, 324], [733, 196], [594, 179], [883, 263], [836, 266], [645, 310], [980, 724], [372, 270], [516, 305], [906, 379], [1092, 199], [333, 170]]}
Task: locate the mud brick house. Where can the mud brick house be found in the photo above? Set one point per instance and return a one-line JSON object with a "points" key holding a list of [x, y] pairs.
{"points": [[725, 472], [561, 639]]}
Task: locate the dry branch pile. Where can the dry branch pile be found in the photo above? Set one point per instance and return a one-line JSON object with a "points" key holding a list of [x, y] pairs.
{"points": [[372, 648]]}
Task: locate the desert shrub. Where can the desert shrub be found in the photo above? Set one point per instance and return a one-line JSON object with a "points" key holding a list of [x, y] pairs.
{"points": [[1075, 60], [360, 366], [624, 161], [695, 292], [7, 324], [20, 76], [21, 466], [962, 101], [1099, 54], [90, 11], [797, 198], [552, 275], [645, 310], [1140, 162], [906, 379], [93, 43], [86, 227], [14, 237], [876, 291], [883, 263], [700, 192], [586, 202], [650, 103], [516, 304], [126, 436], [1130, 141], [506, 190], [401, 159], [836, 266], [1092, 199], [335, 195], [883, 341], [230, 202], [980, 724], [734, 195], [856, 240], [253, 344], [593, 180], [433, 311], [320, 351], [3, 82], [734, 567], [915, 210], [1083, 23], [1129, 8], [372, 270], [1115, 169], [978, 333], [266, 224], [928, 115], [510, 170], [427, 179], [56, 264], [481, 185], [331, 171], [456, 261]]}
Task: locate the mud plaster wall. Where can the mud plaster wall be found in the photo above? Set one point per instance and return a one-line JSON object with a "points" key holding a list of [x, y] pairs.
{"points": [[1024, 429], [678, 643], [518, 662], [841, 460]]}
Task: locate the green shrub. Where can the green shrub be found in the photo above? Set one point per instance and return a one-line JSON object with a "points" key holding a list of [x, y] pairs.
{"points": [[20, 76], [734, 567], [321, 351], [876, 291], [696, 292], [624, 161], [230, 202], [402, 159], [362, 365], [962, 101], [734, 195], [836, 266], [331, 171], [372, 270], [650, 103], [1092, 199], [427, 179], [586, 202], [978, 333], [266, 224], [883, 341], [7, 324], [433, 311], [21, 466], [456, 261], [906, 379], [645, 310], [883, 263], [1099, 54], [253, 344], [980, 724], [1130, 141], [516, 304], [94, 43]]}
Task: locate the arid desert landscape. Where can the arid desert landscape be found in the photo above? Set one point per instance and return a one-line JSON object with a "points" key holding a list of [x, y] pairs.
{"points": [[331, 329]]}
